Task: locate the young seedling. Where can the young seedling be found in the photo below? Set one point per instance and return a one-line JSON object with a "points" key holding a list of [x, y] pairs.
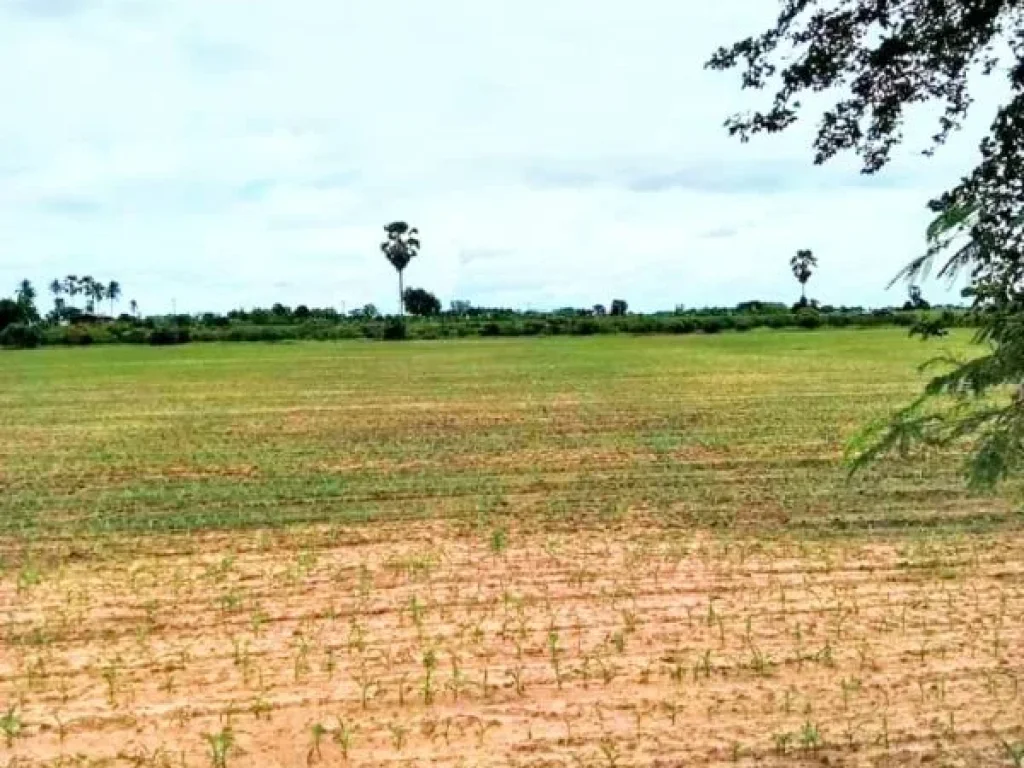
{"points": [[366, 685], [761, 663], [356, 636], [261, 709], [429, 665], [342, 736], [416, 611], [10, 725], [220, 744], [611, 752], [403, 684], [848, 687], [608, 671], [499, 541], [62, 730], [782, 742], [516, 673], [673, 708], [629, 621], [301, 666], [458, 682], [810, 736], [111, 672], [555, 652], [317, 733], [28, 577], [482, 726], [618, 640], [398, 734], [1015, 752]]}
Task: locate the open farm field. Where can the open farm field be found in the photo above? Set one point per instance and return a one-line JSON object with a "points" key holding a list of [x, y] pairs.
{"points": [[580, 552]]}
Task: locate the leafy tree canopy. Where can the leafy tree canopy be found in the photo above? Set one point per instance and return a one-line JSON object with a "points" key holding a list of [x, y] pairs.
{"points": [[12, 312], [421, 302], [881, 57]]}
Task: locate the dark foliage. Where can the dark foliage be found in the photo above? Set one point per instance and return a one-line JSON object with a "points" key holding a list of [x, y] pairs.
{"points": [[882, 58], [915, 300], [421, 302], [803, 264], [395, 330], [11, 312], [21, 336], [401, 246], [166, 335]]}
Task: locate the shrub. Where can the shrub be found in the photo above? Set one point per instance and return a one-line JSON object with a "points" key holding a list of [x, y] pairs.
{"points": [[77, 335], [167, 335], [132, 336], [394, 330], [585, 328], [12, 312], [21, 336], [533, 328], [426, 331], [808, 320], [779, 321]]}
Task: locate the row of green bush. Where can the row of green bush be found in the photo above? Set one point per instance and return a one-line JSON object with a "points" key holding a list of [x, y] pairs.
{"points": [[129, 332]]}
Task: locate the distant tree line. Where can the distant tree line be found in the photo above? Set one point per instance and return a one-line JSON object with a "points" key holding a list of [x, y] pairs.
{"points": [[19, 328], [74, 320]]}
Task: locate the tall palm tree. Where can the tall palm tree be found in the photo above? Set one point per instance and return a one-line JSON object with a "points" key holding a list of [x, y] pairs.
{"points": [[401, 247], [802, 265], [26, 299], [113, 294], [85, 288], [99, 291], [94, 292], [134, 307], [26, 293], [72, 287]]}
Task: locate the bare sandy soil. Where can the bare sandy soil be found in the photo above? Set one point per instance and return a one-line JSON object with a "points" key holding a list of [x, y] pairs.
{"points": [[426, 643]]}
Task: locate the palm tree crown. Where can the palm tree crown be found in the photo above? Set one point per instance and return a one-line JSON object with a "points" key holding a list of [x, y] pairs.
{"points": [[803, 264], [401, 247]]}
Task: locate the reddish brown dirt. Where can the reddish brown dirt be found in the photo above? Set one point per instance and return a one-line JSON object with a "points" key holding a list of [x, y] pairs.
{"points": [[599, 648]]}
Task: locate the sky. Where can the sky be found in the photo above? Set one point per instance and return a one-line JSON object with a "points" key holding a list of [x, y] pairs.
{"points": [[215, 154]]}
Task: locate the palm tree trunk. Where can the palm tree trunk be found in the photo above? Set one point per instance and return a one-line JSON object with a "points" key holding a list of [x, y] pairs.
{"points": [[401, 296]]}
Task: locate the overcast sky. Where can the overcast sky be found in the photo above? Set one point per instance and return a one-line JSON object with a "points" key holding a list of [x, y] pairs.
{"points": [[230, 153]]}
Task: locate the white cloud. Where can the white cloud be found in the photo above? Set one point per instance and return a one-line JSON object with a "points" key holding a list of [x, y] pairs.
{"points": [[237, 153]]}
